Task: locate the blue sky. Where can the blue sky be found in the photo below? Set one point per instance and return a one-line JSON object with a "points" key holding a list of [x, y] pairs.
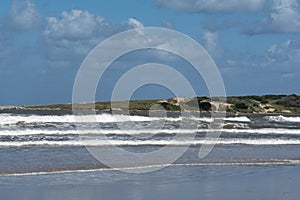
{"points": [[255, 43]]}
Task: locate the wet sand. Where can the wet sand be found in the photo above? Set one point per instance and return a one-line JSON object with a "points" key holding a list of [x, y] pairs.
{"points": [[177, 182]]}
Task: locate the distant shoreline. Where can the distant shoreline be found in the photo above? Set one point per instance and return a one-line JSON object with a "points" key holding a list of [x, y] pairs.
{"points": [[266, 104]]}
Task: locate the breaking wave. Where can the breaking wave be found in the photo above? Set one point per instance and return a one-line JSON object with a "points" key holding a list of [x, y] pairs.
{"points": [[147, 131], [10, 119], [281, 118], [102, 143]]}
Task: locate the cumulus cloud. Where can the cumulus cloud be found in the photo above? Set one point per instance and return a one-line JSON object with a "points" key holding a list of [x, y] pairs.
{"points": [[213, 6], [286, 52], [131, 22], [274, 70], [74, 25], [285, 59], [23, 15], [72, 35], [83, 25], [281, 16], [135, 23], [284, 17], [283, 56], [278, 59]]}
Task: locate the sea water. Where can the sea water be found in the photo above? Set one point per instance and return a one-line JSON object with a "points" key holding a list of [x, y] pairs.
{"points": [[42, 153]]}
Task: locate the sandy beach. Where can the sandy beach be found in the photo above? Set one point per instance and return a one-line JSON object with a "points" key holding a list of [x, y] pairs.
{"points": [[179, 182]]}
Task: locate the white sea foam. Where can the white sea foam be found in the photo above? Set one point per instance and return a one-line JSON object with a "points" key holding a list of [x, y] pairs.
{"points": [[147, 131], [91, 131], [263, 131], [100, 143], [13, 119], [254, 163], [281, 118], [209, 120], [8, 119], [238, 119], [202, 119]]}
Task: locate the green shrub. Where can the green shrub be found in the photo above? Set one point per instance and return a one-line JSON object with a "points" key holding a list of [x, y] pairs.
{"points": [[242, 106], [170, 107], [205, 106], [273, 97], [253, 97]]}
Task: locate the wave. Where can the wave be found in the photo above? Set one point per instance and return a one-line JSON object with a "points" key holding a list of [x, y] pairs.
{"points": [[8, 119], [102, 143], [271, 162], [236, 126], [91, 131], [13, 119], [209, 120], [147, 131], [282, 118], [238, 119]]}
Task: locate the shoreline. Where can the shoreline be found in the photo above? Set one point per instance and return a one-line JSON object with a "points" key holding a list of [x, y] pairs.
{"points": [[236, 105], [41, 111], [229, 182]]}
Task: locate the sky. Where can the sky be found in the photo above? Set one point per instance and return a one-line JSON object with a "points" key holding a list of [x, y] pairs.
{"points": [[255, 44]]}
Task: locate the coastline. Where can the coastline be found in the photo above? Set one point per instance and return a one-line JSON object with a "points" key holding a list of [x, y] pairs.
{"points": [[235, 105]]}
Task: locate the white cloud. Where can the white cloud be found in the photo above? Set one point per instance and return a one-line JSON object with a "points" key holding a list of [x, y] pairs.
{"points": [[212, 6], [212, 44], [283, 18], [135, 23], [284, 59], [276, 58], [74, 34], [275, 69], [82, 25], [279, 60], [287, 52], [23, 15], [74, 25]]}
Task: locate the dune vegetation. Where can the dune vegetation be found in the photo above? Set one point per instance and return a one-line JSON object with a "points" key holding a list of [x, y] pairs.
{"points": [[286, 104]]}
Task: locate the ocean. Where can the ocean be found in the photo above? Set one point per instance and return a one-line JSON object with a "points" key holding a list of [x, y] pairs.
{"points": [[55, 155]]}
